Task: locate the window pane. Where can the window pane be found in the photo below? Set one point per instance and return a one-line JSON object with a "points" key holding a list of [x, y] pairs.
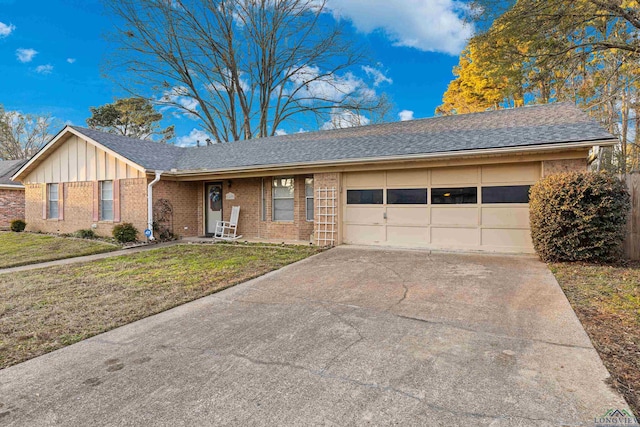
{"points": [[53, 209], [107, 190], [53, 191], [308, 187], [106, 210], [309, 208], [282, 188], [454, 196], [413, 196], [364, 197], [283, 210], [506, 194]]}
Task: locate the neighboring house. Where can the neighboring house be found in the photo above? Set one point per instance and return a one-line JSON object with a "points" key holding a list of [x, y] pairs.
{"points": [[11, 193], [458, 182]]}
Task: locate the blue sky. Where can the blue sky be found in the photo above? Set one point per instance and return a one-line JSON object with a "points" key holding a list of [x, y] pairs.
{"points": [[52, 52]]}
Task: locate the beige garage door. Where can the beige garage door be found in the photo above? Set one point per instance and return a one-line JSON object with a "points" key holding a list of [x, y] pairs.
{"points": [[474, 208]]}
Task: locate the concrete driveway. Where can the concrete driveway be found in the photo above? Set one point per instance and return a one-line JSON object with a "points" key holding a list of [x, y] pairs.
{"points": [[353, 336]]}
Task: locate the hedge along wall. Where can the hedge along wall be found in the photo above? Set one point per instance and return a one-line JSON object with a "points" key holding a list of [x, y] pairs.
{"points": [[632, 240]]}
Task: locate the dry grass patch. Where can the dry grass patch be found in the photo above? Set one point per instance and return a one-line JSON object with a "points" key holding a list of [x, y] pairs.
{"points": [[42, 310], [29, 248], [607, 302]]}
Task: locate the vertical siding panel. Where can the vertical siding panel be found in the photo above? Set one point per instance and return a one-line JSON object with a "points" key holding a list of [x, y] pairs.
{"points": [[111, 167], [73, 159], [63, 169], [101, 165], [82, 160], [91, 162]]}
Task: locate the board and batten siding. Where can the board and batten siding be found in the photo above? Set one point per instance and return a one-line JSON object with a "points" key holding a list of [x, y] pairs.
{"points": [[77, 160]]}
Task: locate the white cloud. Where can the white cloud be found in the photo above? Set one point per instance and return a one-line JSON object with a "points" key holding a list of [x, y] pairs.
{"points": [[178, 96], [192, 139], [280, 132], [427, 25], [25, 55], [71, 60], [378, 76], [44, 69], [6, 30], [331, 88], [405, 115], [341, 119]]}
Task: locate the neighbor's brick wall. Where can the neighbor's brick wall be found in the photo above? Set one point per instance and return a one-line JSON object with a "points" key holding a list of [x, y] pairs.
{"points": [[329, 180], [78, 207], [550, 167], [11, 206], [184, 198]]}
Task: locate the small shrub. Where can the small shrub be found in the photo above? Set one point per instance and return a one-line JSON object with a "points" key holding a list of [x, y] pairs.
{"points": [[85, 234], [125, 232], [579, 217], [18, 225]]}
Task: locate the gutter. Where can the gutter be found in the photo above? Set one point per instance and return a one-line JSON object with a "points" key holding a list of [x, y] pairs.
{"points": [[150, 204]]}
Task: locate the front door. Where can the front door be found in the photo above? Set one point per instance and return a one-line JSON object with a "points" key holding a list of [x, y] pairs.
{"points": [[213, 201]]}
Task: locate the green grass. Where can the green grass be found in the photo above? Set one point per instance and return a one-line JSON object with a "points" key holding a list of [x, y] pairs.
{"points": [[607, 301], [28, 248], [42, 310]]}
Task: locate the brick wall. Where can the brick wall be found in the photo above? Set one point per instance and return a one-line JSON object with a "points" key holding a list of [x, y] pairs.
{"points": [[77, 205], [184, 198], [550, 167], [11, 206]]}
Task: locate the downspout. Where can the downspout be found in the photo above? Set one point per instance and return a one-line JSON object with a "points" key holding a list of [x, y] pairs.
{"points": [[150, 204]]}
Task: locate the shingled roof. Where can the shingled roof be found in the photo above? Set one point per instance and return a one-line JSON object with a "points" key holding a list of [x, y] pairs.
{"points": [[7, 169], [543, 125]]}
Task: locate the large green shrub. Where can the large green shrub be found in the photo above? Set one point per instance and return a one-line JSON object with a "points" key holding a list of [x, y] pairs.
{"points": [[125, 232], [579, 217], [18, 225]]}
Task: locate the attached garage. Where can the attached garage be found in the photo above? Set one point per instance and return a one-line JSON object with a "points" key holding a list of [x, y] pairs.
{"points": [[471, 207]]}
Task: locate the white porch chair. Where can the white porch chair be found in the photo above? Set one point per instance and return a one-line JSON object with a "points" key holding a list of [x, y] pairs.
{"points": [[227, 230]]}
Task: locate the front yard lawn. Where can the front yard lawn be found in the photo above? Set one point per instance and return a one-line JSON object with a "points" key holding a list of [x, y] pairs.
{"points": [[42, 310], [29, 248], [607, 302]]}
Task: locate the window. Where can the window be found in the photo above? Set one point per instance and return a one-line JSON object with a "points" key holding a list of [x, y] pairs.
{"points": [[106, 200], [364, 197], [283, 199], [413, 196], [308, 191], [506, 194], [52, 198], [454, 196]]}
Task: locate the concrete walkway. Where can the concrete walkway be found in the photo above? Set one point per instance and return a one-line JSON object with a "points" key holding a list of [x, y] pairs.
{"points": [[351, 336], [87, 258]]}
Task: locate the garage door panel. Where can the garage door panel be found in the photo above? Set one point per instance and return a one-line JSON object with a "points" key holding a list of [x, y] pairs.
{"points": [[408, 178], [455, 237], [454, 216], [454, 176], [517, 172], [410, 236], [503, 217], [407, 215], [364, 234], [505, 238], [369, 180], [364, 215]]}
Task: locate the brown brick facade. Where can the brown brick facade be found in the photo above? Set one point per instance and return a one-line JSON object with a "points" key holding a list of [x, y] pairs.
{"points": [[550, 167], [11, 206], [77, 205], [184, 198]]}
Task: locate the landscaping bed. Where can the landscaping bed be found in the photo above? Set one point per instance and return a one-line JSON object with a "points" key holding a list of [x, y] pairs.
{"points": [[607, 301], [30, 248], [42, 310]]}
